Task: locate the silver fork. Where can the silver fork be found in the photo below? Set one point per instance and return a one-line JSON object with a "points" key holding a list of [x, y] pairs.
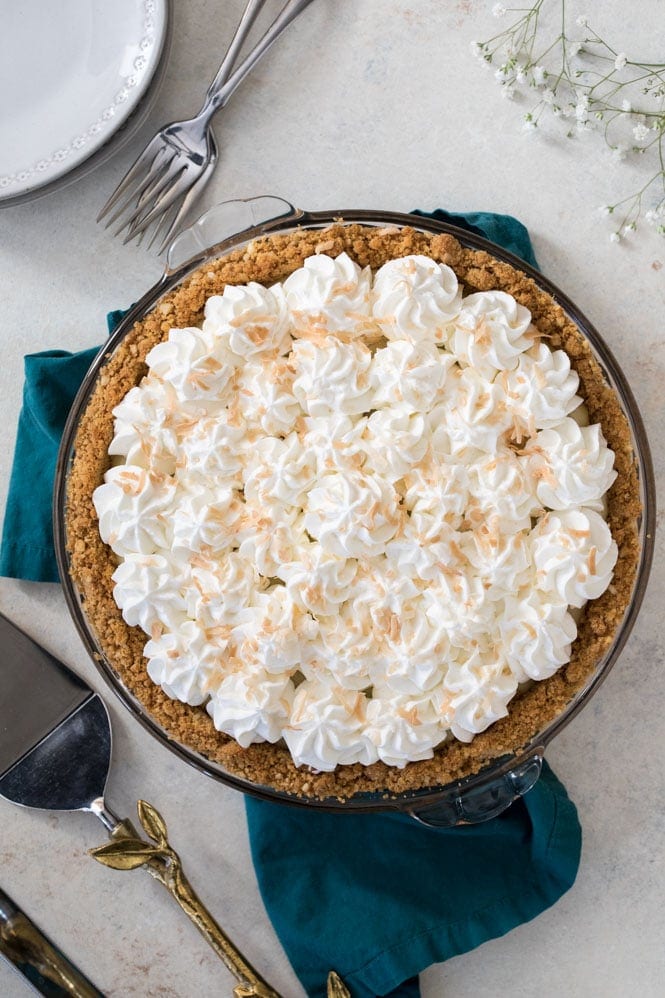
{"points": [[171, 172], [170, 221], [140, 171]]}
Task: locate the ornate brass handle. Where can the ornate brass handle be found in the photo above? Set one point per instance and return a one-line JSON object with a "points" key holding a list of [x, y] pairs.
{"points": [[37, 958], [128, 851]]}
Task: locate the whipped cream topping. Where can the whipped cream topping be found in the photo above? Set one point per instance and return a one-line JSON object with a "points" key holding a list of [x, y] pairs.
{"points": [[149, 425], [252, 706], [410, 374], [265, 397], [248, 320], [354, 512], [478, 686], [574, 555], [540, 390], [490, 332], [537, 634], [572, 465], [352, 515], [414, 298], [473, 414], [196, 365], [187, 662], [331, 376], [329, 295]]}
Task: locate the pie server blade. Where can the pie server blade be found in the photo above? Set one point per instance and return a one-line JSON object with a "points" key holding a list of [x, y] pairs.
{"points": [[55, 754], [55, 735]]}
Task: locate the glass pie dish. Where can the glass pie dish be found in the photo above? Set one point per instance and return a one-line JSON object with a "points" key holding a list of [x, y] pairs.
{"points": [[492, 786]]}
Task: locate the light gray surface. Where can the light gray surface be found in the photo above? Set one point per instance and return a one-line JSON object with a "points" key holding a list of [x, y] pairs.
{"points": [[373, 104]]}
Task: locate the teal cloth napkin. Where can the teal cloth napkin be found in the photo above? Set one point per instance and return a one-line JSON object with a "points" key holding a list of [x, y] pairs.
{"points": [[377, 898], [380, 897]]}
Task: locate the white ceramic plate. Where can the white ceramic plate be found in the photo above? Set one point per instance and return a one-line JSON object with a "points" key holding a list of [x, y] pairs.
{"points": [[71, 73]]}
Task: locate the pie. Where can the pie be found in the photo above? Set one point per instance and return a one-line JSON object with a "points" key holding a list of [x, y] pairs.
{"points": [[354, 510]]}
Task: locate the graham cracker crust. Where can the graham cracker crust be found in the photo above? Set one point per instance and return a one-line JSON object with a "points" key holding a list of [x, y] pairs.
{"points": [[268, 260]]}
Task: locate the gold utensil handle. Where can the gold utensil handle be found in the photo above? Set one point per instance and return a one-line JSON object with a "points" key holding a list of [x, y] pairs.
{"points": [[128, 851], [34, 955]]}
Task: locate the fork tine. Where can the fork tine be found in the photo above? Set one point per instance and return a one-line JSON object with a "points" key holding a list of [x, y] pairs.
{"points": [[176, 219], [136, 201], [155, 209], [164, 225], [167, 234], [190, 198], [147, 199], [164, 202], [142, 162], [137, 196]]}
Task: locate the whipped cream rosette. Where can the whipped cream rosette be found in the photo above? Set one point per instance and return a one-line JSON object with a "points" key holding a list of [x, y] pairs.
{"points": [[540, 390], [198, 366], [248, 321], [329, 295], [416, 299], [332, 376], [411, 374], [490, 332], [353, 511]]}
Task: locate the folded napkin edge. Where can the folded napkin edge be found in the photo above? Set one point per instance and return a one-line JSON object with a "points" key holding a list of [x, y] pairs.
{"points": [[387, 969]]}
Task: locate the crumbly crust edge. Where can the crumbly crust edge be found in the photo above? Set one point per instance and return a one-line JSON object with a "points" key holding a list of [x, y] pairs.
{"points": [[268, 260]]}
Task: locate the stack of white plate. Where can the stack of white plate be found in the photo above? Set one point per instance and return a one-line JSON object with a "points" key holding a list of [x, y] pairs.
{"points": [[76, 80]]}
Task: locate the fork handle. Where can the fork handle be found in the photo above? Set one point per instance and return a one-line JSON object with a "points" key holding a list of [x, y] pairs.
{"points": [[217, 96], [249, 15]]}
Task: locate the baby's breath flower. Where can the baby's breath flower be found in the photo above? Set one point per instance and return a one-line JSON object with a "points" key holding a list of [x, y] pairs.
{"points": [[615, 237], [627, 109], [655, 216]]}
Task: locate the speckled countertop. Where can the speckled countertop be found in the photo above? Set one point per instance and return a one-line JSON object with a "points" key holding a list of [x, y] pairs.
{"points": [[375, 104]]}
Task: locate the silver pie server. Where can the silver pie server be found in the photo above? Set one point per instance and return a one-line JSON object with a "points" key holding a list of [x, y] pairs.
{"points": [[55, 755]]}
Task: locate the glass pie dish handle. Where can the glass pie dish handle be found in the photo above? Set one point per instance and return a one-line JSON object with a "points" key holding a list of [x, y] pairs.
{"points": [[227, 220], [482, 799]]}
